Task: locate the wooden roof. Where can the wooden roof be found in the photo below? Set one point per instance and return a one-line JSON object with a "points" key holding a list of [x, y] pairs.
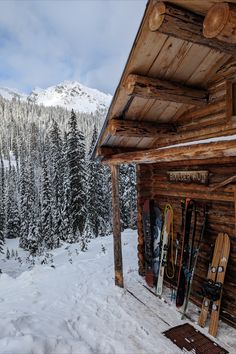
{"points": [[161, 56]]}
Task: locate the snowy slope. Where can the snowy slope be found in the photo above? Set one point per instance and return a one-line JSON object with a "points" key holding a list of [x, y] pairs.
{"points": [[69, 94], [10, 94], [75, 307]]}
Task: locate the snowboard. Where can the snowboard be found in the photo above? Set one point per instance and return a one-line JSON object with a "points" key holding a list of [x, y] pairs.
{"points": [[148, 243], [156, 228], [212, 289]]}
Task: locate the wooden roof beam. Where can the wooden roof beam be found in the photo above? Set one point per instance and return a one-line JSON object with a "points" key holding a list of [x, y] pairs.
{"points": [[146, 87], [106, 151], [186, 25], [139, 129], [220, 22], [176, 153]]}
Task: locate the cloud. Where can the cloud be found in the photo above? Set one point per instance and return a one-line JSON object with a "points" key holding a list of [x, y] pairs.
{"points": [[45, 42]]}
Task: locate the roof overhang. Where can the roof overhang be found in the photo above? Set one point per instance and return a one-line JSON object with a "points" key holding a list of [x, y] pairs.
{"points": [[167, 74]]}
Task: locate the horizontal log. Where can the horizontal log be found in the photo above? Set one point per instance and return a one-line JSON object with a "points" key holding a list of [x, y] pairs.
{"points": [[220, 23], [195, 162], [146, 87], [221, 129], [210, 109], [108, 150], [140, 129], [195, 195], [186, 25], [226, 71], [200, 151]]}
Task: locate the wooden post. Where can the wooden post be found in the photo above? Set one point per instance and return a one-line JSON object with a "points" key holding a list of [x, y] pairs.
{"points": [[116, 227], [235, 208]]}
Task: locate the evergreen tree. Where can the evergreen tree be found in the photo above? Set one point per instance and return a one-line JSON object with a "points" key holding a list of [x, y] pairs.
{"points": [[46, 215], [33, 237], [57, 180], [2, 203], [128, 205], [77, 177], [67, 234], [2, 241], [24, 205], [98, 198], [12, 216]]}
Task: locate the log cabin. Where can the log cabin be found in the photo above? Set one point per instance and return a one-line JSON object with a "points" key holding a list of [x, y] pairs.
{"points": [[174, 115]]}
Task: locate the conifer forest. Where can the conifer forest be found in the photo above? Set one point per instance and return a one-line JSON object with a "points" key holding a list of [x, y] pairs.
{"points": [[50, 189]]}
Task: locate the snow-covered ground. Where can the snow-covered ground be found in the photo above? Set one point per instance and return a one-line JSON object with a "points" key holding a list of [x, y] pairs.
{"points": [[70, 304]]}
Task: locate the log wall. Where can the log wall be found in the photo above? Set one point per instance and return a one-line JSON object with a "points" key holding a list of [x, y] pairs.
{"points": [[152, 182], [210, 121]]}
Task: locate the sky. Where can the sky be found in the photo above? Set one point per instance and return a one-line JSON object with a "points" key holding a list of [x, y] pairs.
{"points": [[44, 42]]}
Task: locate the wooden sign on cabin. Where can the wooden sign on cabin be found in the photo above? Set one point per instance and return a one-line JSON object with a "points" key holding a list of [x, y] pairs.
{"points": [[199, 177]]}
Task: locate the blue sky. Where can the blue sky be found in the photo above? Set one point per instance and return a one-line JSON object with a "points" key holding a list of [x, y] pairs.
{"points": [[44, 42]]}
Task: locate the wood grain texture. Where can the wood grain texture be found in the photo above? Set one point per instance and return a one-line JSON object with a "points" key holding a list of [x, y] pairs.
{"points": [[215, 314], [130, 128], [200, 151], [151, 182], [180, 23], [116, 228], [149, 88], [220, 23]]}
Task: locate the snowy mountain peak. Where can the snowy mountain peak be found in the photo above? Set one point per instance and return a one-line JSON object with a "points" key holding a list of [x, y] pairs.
{"points": [[68, 94], [71, 95]]}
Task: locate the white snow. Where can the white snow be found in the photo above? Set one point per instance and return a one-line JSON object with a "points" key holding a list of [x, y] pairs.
{"points": [[75, 307], [203, 141], [10, 94]]}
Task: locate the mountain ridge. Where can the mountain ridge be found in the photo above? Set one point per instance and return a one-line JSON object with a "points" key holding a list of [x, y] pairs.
{"points": [[68, 94]]}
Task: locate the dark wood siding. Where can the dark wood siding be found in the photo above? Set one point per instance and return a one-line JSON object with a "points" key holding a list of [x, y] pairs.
{"points": [[152, 182]]}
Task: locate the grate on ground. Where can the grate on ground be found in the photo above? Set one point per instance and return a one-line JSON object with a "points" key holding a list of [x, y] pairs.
{"points": [[188, 338]]}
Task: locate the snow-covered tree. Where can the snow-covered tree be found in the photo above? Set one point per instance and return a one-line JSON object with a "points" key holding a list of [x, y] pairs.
{"points": [[128, 196], [98, 198], [46, 214], [12, 210], [77, 177]]}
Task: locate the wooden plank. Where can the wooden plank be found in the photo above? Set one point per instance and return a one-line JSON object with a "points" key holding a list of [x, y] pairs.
{"points": [[166, 57], [207, 68], [169, 112], [131, 128], [155, 110], [116, 227], [186, 25], [146, 87], [136, 108], [190, 64], [187, 152], [178, 60]]}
